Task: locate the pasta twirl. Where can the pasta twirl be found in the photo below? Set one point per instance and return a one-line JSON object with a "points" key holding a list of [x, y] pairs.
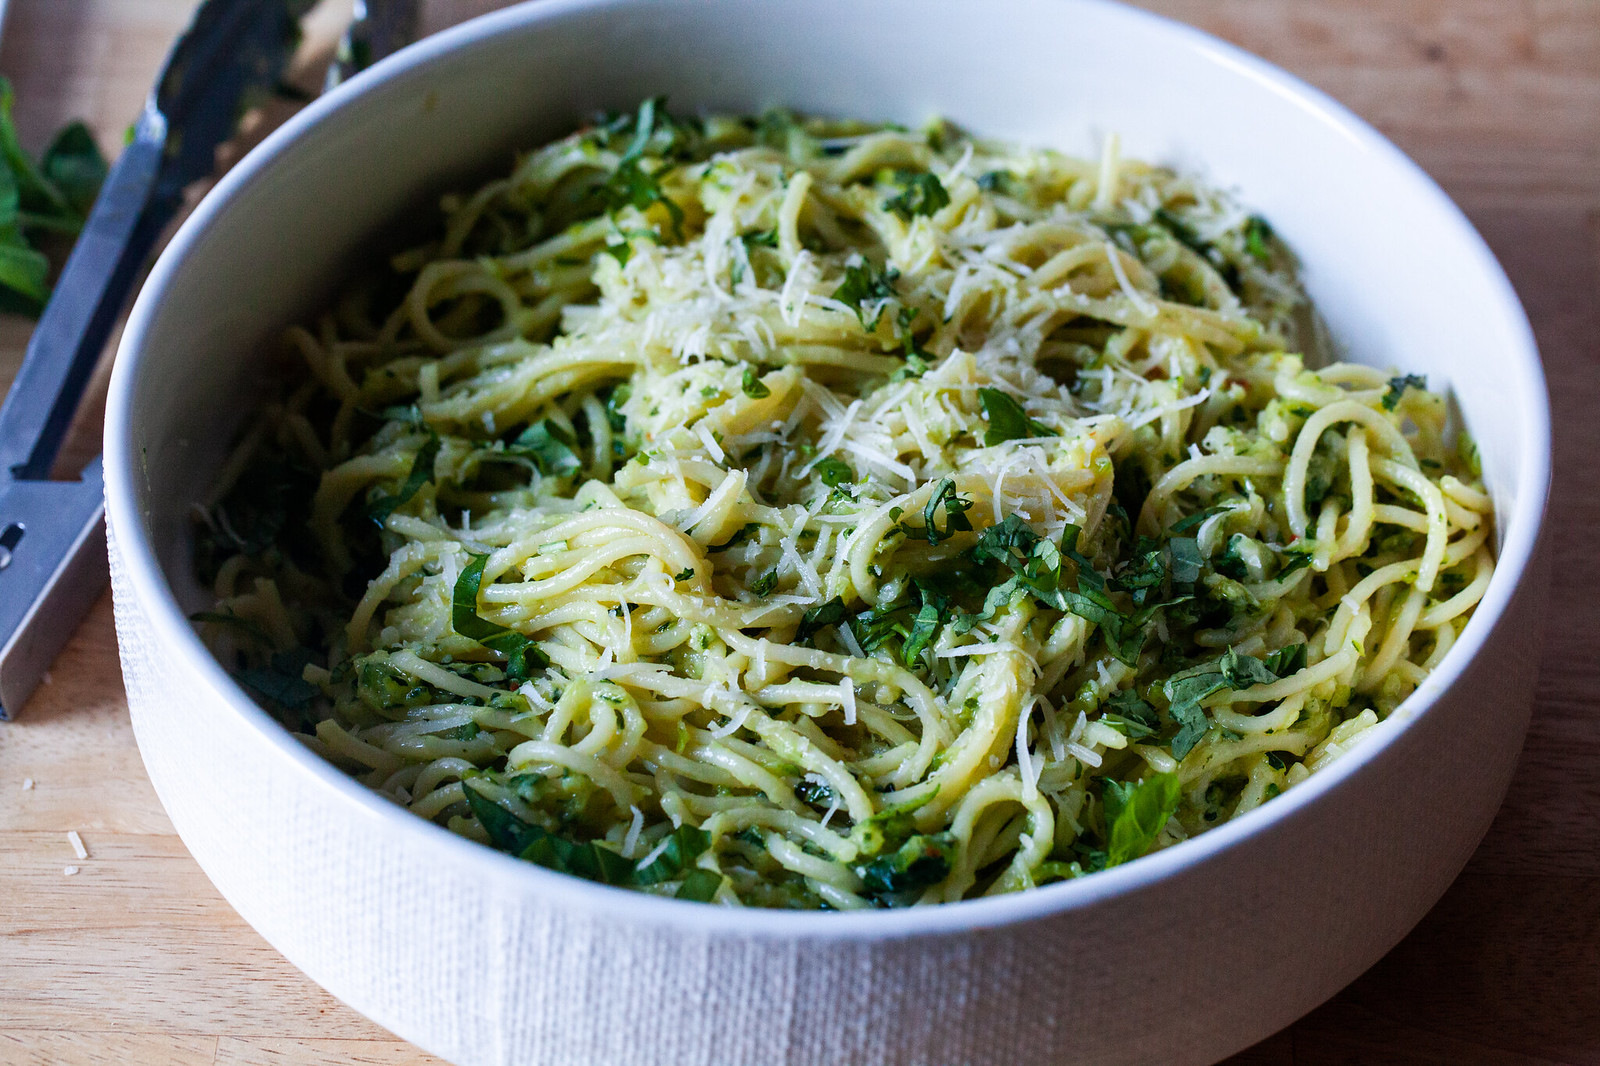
{"points": [[822, 514]]}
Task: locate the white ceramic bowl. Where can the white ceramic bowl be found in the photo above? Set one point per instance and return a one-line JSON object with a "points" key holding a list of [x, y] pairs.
{"points": [[1180, 957]]}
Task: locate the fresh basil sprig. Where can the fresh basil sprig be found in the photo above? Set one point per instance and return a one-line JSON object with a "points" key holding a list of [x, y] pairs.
{"points": [[51, 197]]}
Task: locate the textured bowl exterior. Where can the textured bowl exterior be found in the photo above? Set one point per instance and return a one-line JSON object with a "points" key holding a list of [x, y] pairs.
{"points": [[1182, 957]]}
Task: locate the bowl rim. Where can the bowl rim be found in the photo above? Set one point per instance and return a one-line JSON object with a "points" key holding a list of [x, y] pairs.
{"points": [[511, 877]]}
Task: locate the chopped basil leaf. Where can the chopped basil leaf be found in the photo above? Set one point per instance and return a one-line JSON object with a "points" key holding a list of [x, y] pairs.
{"points": [[506, 831], [522, 655], [1398, 387], [955, 514], [1188, 522], [933, 607], [920, 193], [281, 682], [820, 617], [834, 472], [421, 474], [684, 846], [1132, 716], [933, 611], [1036, 567], [753, 385], [764, 584], [1192, 724], [898, 878], [684, 575], [699, 886], [993, 180], [1007, 419], [1187, 688], [1242, 671], [1257, 232], [1286, 660], [914, 367], [615, 398], [864, 287], [739, 537], [1186, 560], [551, 446], [592, 861], [1296, 560], [1135, 814], [630, 184]]}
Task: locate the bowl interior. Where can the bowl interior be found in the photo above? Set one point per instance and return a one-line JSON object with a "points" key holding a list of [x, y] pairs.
{"points": [[1398, 275]]}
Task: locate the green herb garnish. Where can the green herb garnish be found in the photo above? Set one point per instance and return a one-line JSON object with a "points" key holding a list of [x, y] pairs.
{"points": [[1187, 688], [835, 472], [1131, 715], [753, 386], [1007, 419], [1398, 387], [820, 617], [522, 655], [742, 534], [630, 184], [1257, 234], [421, 474], [955, 514], [281, 680], [684, 845], [1135, 814], [699, 886], [551, 446], [592, 861], [920, 193], [898, 878], [865, 287]]}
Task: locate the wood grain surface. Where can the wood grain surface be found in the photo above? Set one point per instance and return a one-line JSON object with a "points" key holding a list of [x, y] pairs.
{"points": [[137, 959]]}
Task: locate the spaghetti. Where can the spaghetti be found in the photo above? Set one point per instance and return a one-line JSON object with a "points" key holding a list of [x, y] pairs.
{"points": [[820, 514]]}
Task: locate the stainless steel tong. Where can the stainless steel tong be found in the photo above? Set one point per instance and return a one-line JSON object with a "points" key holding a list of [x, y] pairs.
{"points": [[52, 533]]}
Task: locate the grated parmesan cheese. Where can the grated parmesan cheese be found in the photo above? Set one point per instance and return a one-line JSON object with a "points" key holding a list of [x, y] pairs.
{"points": [[631, 841]]}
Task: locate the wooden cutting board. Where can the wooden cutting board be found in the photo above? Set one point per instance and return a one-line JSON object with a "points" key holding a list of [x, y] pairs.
{"points": [[137, 959]]}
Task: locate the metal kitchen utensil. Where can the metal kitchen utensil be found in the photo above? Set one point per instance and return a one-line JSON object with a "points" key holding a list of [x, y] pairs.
{"points": [[378, 28], [52, 533]]}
